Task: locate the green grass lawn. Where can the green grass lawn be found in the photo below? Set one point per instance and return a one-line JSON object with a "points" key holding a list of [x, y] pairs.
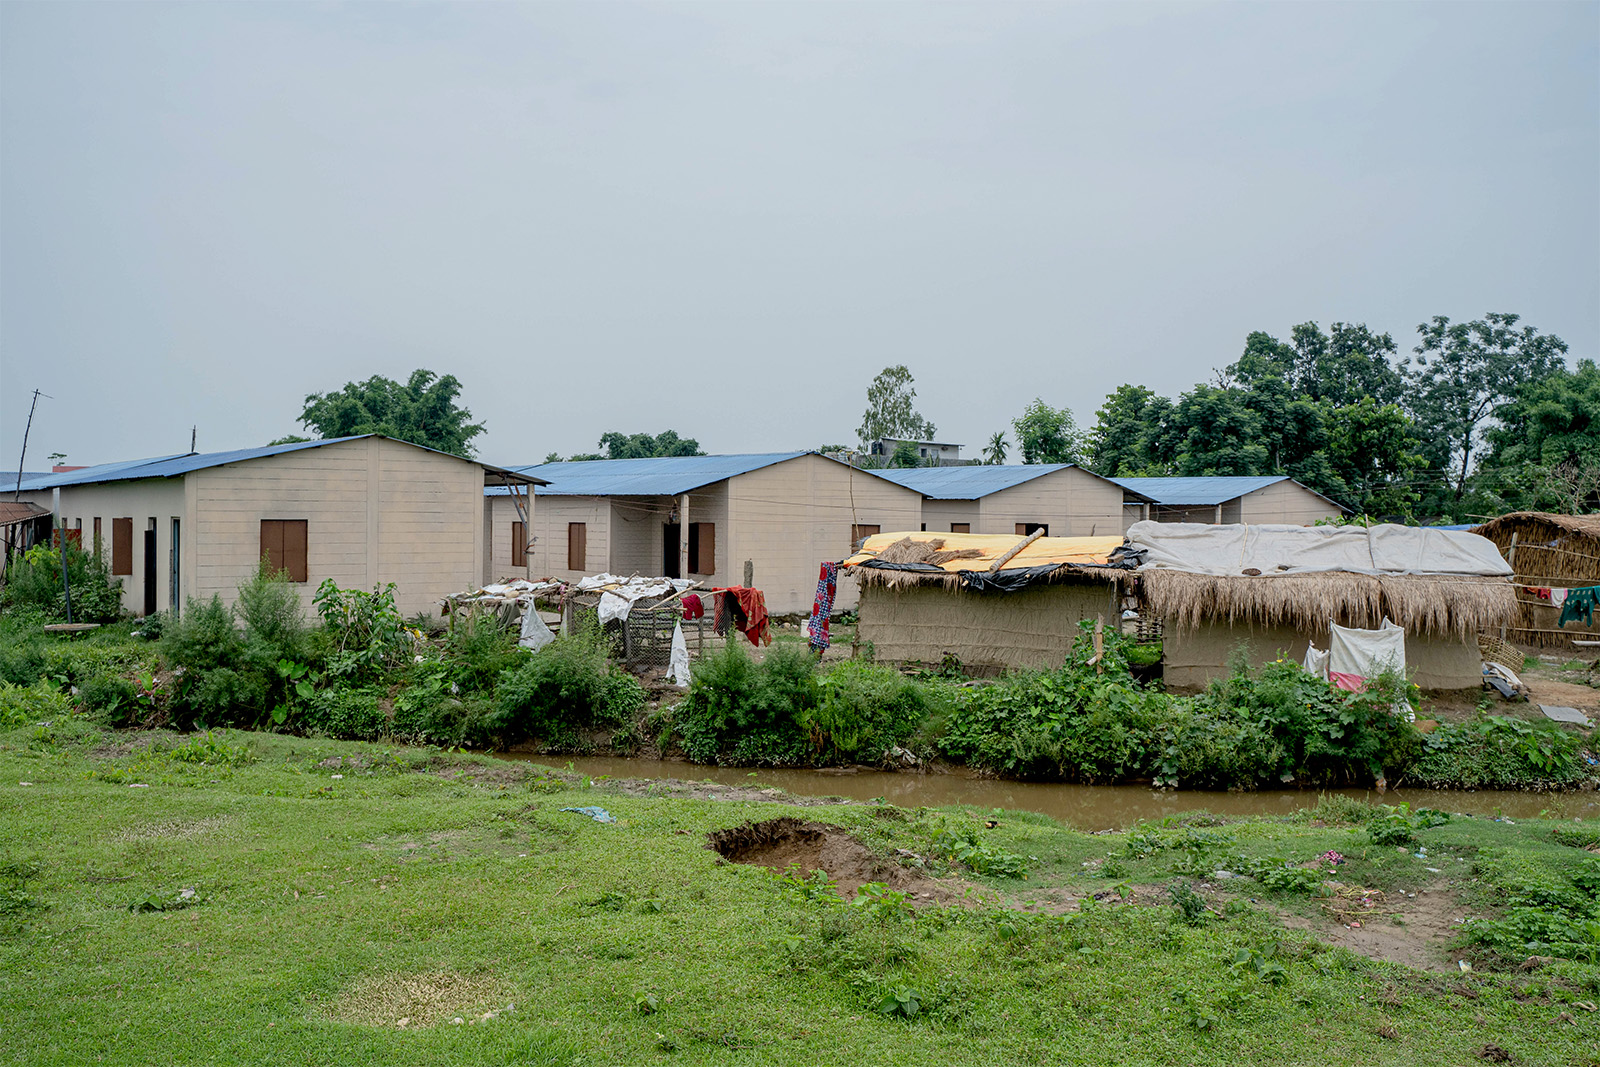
{"points": [[250, 898]]}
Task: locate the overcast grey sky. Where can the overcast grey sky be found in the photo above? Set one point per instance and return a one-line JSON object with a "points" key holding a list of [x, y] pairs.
{"points": [[726, 218]]}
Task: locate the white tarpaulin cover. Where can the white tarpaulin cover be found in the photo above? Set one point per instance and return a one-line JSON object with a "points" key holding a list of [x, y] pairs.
{"points": [[1282, 549], [1356, 655]]}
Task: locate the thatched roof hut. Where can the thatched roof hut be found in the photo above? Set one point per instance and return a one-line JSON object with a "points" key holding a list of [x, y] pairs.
{"points": [[927, 596], [1270, 591], [1547, 551]]}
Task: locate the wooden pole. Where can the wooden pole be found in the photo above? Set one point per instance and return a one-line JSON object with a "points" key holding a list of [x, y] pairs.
{"points": [[1014, 549], [683, 536], [1511, 561], [1099, 644]]}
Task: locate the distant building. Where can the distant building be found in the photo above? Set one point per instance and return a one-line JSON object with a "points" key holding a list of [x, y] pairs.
{"points": [[700, 517], [363, 511], [931, 453], [1063, 499], [1219, 499]]}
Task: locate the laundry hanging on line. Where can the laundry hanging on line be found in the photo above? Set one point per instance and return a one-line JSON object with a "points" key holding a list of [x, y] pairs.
{"points": [[822, 607], [1580, 605]]}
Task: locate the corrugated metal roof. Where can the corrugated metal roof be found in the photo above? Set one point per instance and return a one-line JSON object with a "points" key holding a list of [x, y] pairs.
{"points": [[1205, 491], [184, 463], [966, 483], [662, 476]]}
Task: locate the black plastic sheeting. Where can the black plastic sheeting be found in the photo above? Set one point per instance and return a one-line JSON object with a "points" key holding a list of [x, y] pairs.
{"points": [[1009, 580]]}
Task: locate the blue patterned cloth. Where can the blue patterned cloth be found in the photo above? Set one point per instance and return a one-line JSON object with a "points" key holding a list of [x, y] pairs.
{"points": [[827, 586]]}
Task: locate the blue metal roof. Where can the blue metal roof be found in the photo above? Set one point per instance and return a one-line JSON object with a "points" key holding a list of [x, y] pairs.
{"points": [[662, 476], [184, 463], [1206, 491], [966, 483]]}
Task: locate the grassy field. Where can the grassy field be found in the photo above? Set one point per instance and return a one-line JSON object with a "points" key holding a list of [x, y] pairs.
{"points": [[242, 898]]}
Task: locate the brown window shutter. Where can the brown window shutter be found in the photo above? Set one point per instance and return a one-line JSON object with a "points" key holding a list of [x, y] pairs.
{"points": [[296, 542], [860, 532], [97, 542], [702, 548], [961, 527], [577, 546], [272, 543], [1026, 528], [122, 546], [519, 546]]}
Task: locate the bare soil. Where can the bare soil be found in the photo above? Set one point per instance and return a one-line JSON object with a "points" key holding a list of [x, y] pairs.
{"points": [[779, 844], [1415, 931], [677, 787]]}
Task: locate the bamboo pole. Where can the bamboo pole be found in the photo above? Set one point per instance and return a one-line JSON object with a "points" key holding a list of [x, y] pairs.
{"points": [[1014, 549]]}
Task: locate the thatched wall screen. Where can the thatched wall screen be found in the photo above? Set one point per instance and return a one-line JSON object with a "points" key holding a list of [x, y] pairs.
{"points": [[1431, 604], [1544, 549]]}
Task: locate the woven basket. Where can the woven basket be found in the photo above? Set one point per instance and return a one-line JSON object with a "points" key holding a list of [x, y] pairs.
{"points": [[1495, 650]]}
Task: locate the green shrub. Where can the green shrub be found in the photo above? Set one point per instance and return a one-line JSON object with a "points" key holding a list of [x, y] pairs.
{"points": [[479, 648], [346, 714], [864, 709], [1497, 752], [20, 705], [364, 633], [33, 581], [568, 684], [22, 659], [269, 609], [112, 699], [742, 712]]}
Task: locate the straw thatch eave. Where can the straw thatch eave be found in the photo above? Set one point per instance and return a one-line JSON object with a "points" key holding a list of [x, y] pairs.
{"points": [[1064, 574], [1452, 605]]}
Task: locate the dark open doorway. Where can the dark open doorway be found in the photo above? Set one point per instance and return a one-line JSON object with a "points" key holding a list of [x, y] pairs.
{"points": [[150, 571]]}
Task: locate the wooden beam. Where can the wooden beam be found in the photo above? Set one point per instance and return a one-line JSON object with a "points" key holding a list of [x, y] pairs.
{"points": [[1014, 549]]}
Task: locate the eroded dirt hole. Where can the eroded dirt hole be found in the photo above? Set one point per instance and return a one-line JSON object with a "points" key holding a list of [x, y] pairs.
{"points": [[811, 846]]}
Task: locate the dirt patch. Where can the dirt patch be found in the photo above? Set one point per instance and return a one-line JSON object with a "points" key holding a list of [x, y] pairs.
{"points": [[778, 844], [679, 788], [408, 1001], [1413, 930]]}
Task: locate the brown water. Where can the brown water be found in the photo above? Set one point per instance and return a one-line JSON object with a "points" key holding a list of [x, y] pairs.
{"points": [[1085, 807]]}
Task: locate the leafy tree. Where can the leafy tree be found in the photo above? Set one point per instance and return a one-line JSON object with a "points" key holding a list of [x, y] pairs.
{"points": [[1465, 372], [422, 411], [1047, 434], [643, 446], [1545, 454], [552, 457], [905, 455], [1377, 454], [889, 409], [1340, 367], [1119, 444], [289, 439], [1212, 431], [994, 453]]}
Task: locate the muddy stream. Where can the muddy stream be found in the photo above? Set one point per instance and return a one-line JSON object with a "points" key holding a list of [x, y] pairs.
{"points": [[1084, 807]]}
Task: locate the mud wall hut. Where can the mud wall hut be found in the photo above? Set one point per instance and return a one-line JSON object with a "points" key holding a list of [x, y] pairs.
{"points": [[1546, 553], [925, 596], [1261, 592]]}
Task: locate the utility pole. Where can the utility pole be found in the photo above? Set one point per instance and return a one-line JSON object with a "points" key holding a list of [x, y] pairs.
{"points": [[193, 432], [23, 459]]}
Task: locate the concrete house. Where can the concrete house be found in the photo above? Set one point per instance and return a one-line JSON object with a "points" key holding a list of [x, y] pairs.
{"points": [[363, 511], [1064, 499], [701, 517], [931, 453], [1215, 500]]}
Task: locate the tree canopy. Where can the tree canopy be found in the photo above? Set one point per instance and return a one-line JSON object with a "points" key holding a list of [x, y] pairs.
{"points": [[1047, 435], [423, 411], [1488, 419], [890, 410]]}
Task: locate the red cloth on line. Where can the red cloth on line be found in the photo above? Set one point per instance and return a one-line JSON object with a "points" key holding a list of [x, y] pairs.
{"points": [[752, 604], [692, 607]]}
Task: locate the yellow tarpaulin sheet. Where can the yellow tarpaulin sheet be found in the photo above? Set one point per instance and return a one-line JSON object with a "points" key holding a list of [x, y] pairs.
{"points": [[1042, 553]]}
